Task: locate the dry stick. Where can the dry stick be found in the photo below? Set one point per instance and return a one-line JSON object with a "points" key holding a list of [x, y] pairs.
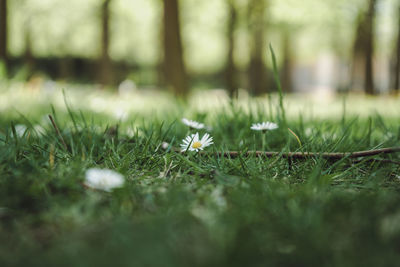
{"points": [[58, 132], [303, 155]]}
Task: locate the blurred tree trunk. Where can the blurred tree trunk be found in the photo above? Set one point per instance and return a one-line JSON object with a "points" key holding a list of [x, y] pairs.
{"points": [[230, 71], [174, 67], [28, 57], [287, 85], [358, 60], [362, 69], [396, 69], [257, 24], [105, 62], [369, 48], [3, 31], [65, 68]]}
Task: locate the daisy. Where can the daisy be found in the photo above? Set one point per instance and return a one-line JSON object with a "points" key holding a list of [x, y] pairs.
{"points": [[193, 124], [20, 129], [194, 143], [165, 145], [264, 126], [103, 179]]}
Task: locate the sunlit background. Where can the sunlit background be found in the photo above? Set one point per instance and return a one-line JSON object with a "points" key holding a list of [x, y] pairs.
{"points": [[107, 87], [154, 47]]}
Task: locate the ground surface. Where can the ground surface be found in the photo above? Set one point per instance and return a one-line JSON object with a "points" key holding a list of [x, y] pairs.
{"points": [[188, 209]]}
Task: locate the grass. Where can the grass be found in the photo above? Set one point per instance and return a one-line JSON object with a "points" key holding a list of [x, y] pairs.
{"points": [[191, 210]]}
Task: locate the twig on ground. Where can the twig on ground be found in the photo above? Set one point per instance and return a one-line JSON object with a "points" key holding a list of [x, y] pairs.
{"points": [[305, 155], [302, 155]]}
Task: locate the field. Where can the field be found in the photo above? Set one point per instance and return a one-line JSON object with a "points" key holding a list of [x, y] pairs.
{"points": [[195, 209]]}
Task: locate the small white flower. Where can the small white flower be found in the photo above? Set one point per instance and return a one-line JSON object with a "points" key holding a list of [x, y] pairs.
{"points": [[217, 195], [130, 132], [193, 124], [120, 114], [103, 179], [309, 131], [164, 145], [264, 126], [20, 129], [194, 143]]}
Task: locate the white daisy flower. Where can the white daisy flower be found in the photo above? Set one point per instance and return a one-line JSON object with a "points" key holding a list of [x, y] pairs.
{"points": [[103, 179], [193, 124], [164, 145], [120, 114], [194, 143], [20, 129], [264, 126]]}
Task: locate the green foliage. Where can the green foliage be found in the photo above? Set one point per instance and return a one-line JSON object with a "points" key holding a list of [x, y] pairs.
{"points": [[196, 210]]}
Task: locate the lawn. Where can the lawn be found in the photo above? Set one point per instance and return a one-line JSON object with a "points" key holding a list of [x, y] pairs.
{"points": [[195, 209]]}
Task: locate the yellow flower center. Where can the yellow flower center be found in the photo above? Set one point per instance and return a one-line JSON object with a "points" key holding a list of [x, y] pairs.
{"points": [[196, 145]]}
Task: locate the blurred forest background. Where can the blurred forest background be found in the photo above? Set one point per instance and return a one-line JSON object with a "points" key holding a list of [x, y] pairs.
{"points": [[177, 45]]}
